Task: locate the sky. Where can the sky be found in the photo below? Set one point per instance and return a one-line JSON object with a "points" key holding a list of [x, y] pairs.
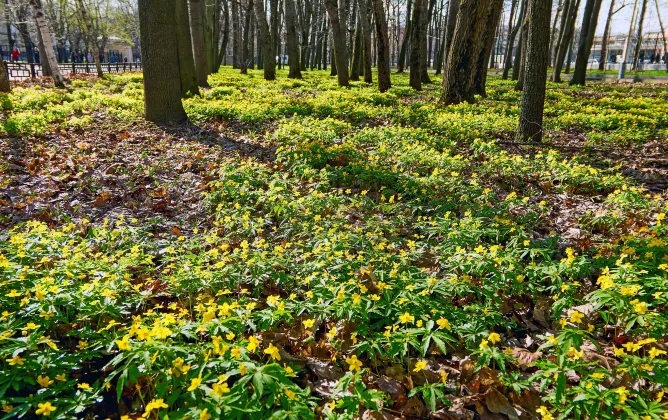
{"points": [[621, 20]]}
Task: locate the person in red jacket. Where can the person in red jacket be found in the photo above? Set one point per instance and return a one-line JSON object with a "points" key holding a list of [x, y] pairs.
{"points": [[16, 54]]}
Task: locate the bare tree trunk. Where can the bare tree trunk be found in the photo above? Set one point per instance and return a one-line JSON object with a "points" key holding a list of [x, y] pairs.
{"points": [[222, 53], [339, 38], [422, 36], [564, 45], [246, 58], [268, 59], [291, 38], [563, 25], [90, 34], [453, 11], [554, 25], [492, 23], [236, 35], [365, 13], [5, 86], [357, 46], [663, 34], [512, 33], [184, 47], [522, 57], [382, 46], [419, 11], [407, 38], [464, 52], [589, 21], [198, 41], [530, 126], [162, 86], [606, 35], [519, 52], [641, 23], [43, 29]]}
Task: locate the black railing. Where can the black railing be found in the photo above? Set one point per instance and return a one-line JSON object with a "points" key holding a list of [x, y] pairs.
{"points": [[22, 70]]}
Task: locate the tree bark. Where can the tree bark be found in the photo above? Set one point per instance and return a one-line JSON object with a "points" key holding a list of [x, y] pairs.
{"points": [[339, 38], [90, 34], [453, 11], [530, 126], [425, 17], [382, 46], [606, 35], [222, 53], [589, 21], [162, 85], [492, 23], [663, 34], [564, 44], [50, 56], [418, 19], [246, 57], [198, 42], [236, 35], [268, 58], [365, 14], [185, 50], [407, 38], [641, 23], [510, 42], [357, 52], [291, 38], [464, 52], [554, 25], [5, 86]]}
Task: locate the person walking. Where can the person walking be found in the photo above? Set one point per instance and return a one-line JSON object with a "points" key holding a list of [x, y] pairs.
{"points": [[16, 54]]}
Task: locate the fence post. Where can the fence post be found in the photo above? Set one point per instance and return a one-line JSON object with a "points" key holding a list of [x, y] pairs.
{"points": [[74, 68], [33, 73], [109, 67]]}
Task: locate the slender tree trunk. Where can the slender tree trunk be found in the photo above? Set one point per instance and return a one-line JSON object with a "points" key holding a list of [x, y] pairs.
{"points": [[641, 23], [517, 63], [162, 80], [570, 57], [50, 56], [423, 25], [382, 46], [198, 41], [90, 34], [606, 35], [273, 10], [246, 58], [268, 59], [512, 33], [339, 38], [493, 16], [407, 38], [185, 50], [365, 14], [589, 21], [663, 34], [291, 39], [554, 25], [222, 53], [464, 52], [5, 86], [564, 45], [559, 37], [453, 12], [419, 11], [530, 126], [236, 35], [522, 57]]}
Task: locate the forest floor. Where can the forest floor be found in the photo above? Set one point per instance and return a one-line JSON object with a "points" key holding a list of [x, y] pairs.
{"points": [[240, 264]]}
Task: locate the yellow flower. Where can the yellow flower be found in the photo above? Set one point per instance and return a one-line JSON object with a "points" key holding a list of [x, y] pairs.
{"points": [[230, 336], [7, 408], [494, 338], [194, 383], [204, 414], [44, 381], [44, 409], [123, 344], [577, 317], [420, 365], [273, 352], [654, 352], [406, 318], [84, 386], [332, 333], [354, 363], [545, 413], [290, 394], [484, 344], [253, 343], [308, 323], [16, 360], [220, 388], [443, 323], [155, 404], [623, 394], [640, 307]]}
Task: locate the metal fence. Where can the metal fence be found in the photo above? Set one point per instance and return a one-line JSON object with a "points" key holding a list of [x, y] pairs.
{"points": [[22, 70]]}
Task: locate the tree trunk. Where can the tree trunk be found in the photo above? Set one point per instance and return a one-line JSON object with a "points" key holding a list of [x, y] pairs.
{"points": [[554, 25], [357, 52], [273, 10], [162, 85], [226, 35], [606, 35], [558, 37], [185, 50], [5, 86], [291, 38], [464, 52], [521, 61], [46, 70], [236, 35], [564, 45], [423, 28], [407, 38], [382, 46], [517, 62], [641, 23], [663, 34], [339, 38], [530, 126], [492, 22], [198, 41], [365, 14], [246, 57], [569, 57], [90, 34], [453, 12], [50, 58], [510, 42], [268, 58], [418, 19], [589, 20]]}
